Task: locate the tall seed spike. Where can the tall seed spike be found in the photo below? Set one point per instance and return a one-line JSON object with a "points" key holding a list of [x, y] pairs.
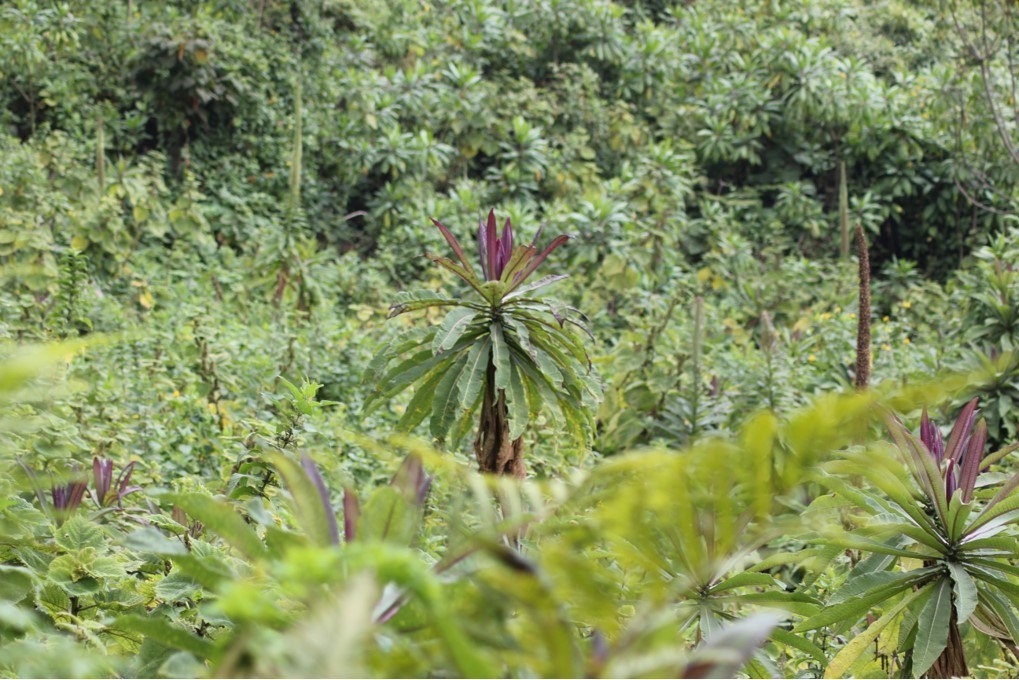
{"points": [[843, 211], [863, 316]]}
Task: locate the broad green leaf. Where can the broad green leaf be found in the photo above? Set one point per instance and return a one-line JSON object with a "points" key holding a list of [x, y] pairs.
{"points": [[1001, 609], [799, 642], [420, 405], [15, 582], [452, 328], [851, 610], [500, 357], [743, 580], [222, 520], [77, 533], [848, 655], [540, 283], [965, 591], [932, 628], [164, 632], [387, 516], [874, 581], [472, 380], [516, 404], [151, 540], [308, 508], [444, 405]]}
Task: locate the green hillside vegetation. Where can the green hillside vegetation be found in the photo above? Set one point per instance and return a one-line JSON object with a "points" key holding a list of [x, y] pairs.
{"points": [[478, 338]]}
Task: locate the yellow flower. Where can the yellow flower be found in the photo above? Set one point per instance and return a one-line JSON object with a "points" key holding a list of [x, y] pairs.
{"points": [[176, 393], [838, 310], [906, 304], [886, 318], [886, 347], [851, 315], [826, 316], [905, 341], [811, 358]]}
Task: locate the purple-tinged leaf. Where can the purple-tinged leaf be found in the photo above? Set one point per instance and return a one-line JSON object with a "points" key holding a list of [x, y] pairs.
{"points": [[537, 236], [483, 249], [122, 483], [505, 247], [930, 435], [323, 494], [960, 431], [543, 281], [67, 497], [466, 275], [351, 513], [536, 262], [970, 465], [491, 246], [412, 480], [453, 243], [102, 476]]}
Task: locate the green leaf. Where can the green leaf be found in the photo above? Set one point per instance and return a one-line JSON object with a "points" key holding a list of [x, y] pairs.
{"points": [[799, 642], [77, 533], [451, 328], [176, 586], [966, 596], [15, 582], [932, 628], [387, 516], [851, 610], [167, 634], [446, 399], [860, 585], [743, 580], [473, 378], [848, 655], [308, 509], [500, 357], [420, 404], [151, 540], [516, 404], [221, 519]]}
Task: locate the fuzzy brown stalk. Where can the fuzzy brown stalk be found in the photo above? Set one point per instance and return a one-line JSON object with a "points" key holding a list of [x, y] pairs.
{"points": [[843, 212], [863, 316], [496, 452]]}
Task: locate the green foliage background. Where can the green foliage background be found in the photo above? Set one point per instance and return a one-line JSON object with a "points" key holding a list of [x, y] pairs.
{"points": [[228, 194]]}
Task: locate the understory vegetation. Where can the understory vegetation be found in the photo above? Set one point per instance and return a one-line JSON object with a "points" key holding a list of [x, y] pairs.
{"points": [[488, 338]]}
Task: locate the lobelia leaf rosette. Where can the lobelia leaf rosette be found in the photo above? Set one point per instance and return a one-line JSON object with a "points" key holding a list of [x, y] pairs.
{"points": [[502, 353], [935, 503]]}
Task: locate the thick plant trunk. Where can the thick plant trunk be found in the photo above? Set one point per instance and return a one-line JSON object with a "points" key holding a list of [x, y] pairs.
{"points": [[952, 662], [496, 452]]}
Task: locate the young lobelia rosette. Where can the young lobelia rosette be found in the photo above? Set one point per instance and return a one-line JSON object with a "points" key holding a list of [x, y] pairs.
{"points": [[501, 352], [940, 532]]}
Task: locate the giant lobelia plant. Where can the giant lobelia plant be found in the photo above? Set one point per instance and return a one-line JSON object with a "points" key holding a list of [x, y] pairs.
{"points": [[949, 525], [501, 353]]}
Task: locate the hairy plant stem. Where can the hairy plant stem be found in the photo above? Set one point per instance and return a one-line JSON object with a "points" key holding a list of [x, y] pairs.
{"points": [[496, 452]]}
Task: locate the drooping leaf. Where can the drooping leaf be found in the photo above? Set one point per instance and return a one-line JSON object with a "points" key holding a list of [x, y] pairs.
{"points": [[516, 404], [452, 327], [472, 379], [847, 656], [932, 627], [444, 405], [965, 591], [500, 357]]}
